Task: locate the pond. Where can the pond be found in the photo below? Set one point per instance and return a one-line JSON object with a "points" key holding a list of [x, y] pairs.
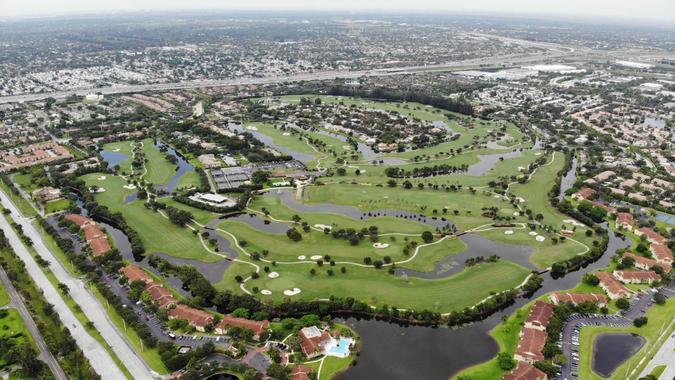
{"points": [[610, 350], [267, 140], [113, 158], [183, 167], [665, 218], [488, 161], [567, 181]]}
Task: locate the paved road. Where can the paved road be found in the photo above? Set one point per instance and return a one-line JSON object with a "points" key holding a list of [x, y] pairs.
{"points": [[94, 351], [570, 335], [17, 303]]}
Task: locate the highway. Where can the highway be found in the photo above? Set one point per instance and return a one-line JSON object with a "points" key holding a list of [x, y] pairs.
{"points": [[17, 303], [510, 59], [98, 357]]}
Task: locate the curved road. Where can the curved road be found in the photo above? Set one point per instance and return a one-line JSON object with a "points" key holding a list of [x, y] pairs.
{"points": [[98, 357]]}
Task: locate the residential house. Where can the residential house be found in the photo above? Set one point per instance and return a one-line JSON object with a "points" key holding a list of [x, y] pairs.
{"points": [[199, 319], [540, 315], [636, 276], [624, 220], [313, 341], [135, 273], [577, 298], [258, 327], [614, 288], [524, 371]]}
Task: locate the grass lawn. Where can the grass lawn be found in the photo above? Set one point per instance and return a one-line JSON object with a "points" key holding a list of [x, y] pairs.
{"points": [[659, 317], [201, 216], [189, 180], [507, 336], [426, 259], [378, 287], [22, 204], [4, 297], [33, 179], [13, 328], [57, 205]]}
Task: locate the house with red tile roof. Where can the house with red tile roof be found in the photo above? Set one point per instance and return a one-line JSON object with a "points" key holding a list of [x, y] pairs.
{"points": [[196, 318], [301, 372], [135, 273], [99, 246], [539, 316], [577, 298], [313, 341], [79, 220], [644, 263], [160, 295], [531, 344], [651, 235], [610, 210], [662, 253], [636, 276], [525, 371], [584, 194], [258, 327], [94, 235], [614, 288], [624, 220]]}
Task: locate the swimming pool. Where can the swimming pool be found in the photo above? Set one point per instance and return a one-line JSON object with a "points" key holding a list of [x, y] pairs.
{"points": [[339, 347]]}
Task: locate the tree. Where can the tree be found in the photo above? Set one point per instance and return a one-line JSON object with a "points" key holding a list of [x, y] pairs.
{"points": [[640, 321], [591, 279], [293, 234], [505, 361], [659, 298], [622, 303], [63, 288], [341, 171], [427, 236], [259, 177]]}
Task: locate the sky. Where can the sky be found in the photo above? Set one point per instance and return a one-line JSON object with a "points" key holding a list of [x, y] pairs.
{"points": [[657, 10]]}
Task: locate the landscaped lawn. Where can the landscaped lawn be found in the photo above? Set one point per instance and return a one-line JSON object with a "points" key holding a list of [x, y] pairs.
{"points": [[13, 328], [160, 170], [659, 317], [4, 297], [378, 287], [57, 205]]}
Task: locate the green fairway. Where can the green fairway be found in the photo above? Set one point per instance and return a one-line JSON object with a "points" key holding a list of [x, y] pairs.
{"points": [[152, 227], [160, 170], [377, 287], [122, 147], [4, 297], [660, 316]]}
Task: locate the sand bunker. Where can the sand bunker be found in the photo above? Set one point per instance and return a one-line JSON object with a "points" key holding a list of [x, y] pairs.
{"points": [[99, 190], [532, 233], [130, 186], [301, 257], [540, 238], [573, 222], [286, 134], [266, 292], [116, 150], [380, 245], [316, 257], [273, 275], [292, 292], [322, 226], [102, 178], [251, 128], [508, 232]]}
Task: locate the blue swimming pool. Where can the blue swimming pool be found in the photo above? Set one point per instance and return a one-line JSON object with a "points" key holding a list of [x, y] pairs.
{"points": [[340, 348]]}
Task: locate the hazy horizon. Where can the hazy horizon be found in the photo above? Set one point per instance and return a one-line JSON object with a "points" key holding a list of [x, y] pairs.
{"points": [[661, 11]]}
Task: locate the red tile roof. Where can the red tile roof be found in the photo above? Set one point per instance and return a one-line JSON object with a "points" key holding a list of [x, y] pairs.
{"points": [[160, 295], [258, 327], [134, 273], [662, 253], [652, 235], [78, 219], [612, 285], [92, 231], [540, 314], [585, 193], [195, 317], [577, 298], [525, 371], [301, 372], [99, 246], [624, 218], [531, 344], [637, 275], [646, 263], [312, 344]]}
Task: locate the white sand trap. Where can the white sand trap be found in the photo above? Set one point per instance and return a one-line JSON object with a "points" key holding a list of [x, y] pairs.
{"points": [[508, 232], [266, 292], [316, 257], [347, 147], [540, 238], [322, 227], [130, 186], [497, 196], [520, 200], [301, 257], [532, 233], [99, 190], [521, 168], [380, 245], [116, 150], [516, 213], [102, 178], [273, 275], [285, 134], [538, 154], [292, 292], [362, 171], [251, 128]]}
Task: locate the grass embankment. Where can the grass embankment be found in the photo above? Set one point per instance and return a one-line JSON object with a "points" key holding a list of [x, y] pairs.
{"points": [[4, 297], [660, 316]]}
